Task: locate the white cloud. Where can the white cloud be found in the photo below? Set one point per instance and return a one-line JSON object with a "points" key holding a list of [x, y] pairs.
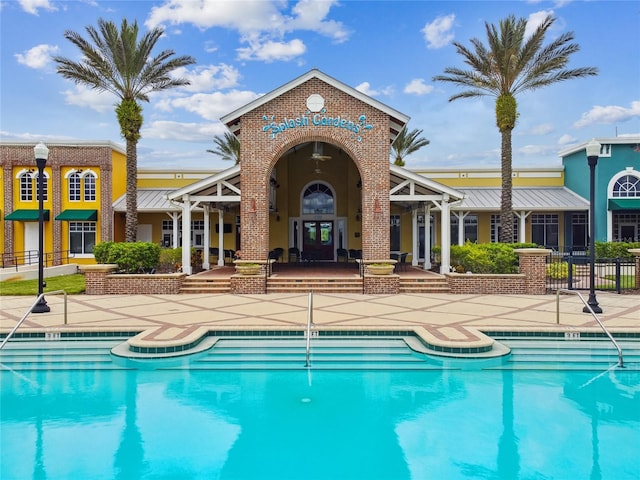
{"points": [[438, 33], [184, 132], [84, 96], [311, 14], [211, 106], [534, 21], [208, 77], [542, 129], [567, 139], [365, 87], [32, 6], [608, 114], [418, 87], [38, 56], [269, 50]]}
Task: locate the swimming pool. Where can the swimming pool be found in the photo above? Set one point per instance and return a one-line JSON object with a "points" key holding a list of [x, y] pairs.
{"points": [[83, 416]]}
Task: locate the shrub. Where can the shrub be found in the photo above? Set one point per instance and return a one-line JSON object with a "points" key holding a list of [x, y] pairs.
{"points": [[559, 270], [487, 257], [131, 257], [170, 259], [615, 249]]}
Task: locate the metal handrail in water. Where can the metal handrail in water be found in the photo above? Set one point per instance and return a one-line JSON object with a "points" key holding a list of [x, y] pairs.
{"points": [[24, 317], [573, 292], [309, 325]]}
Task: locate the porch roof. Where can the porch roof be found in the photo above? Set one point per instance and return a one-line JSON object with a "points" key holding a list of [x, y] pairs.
{"points": [[409, 187], [222, 187], [524, 198], [149, 200]]}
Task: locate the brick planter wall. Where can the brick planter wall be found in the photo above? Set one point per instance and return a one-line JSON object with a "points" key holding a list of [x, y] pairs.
{"points": [[487, 284], [530, 281], [381, 284], [100, 281], [247, 284]]}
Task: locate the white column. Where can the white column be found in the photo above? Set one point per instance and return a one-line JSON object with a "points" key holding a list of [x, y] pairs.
{"points": [[445, 235], [415, 254], [427, 237], [220, 237], [186, 234], [522, 217], [207, 238], [176, 237], [461, 216]]}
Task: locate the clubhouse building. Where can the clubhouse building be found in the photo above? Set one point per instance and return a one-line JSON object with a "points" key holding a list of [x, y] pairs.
{"points": [[314, 183]]}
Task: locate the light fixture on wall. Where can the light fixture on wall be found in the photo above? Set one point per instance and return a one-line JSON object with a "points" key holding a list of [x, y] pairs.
{"points": [[377, 208], [252, 206]]}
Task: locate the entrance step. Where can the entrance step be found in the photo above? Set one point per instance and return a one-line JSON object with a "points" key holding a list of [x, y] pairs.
{"points": [[197, 284], [277, 284]]}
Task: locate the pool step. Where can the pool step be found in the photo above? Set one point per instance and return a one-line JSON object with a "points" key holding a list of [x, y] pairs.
{"points": [[568, 354]]}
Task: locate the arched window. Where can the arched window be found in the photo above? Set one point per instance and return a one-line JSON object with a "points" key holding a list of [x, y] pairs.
{"points": [[26, 186], [89, 187], [627, 186], [318, 199], [74, 187], [45, 186]]}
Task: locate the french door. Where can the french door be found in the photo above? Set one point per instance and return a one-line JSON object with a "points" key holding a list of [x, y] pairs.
{"points": [[317, 240]]}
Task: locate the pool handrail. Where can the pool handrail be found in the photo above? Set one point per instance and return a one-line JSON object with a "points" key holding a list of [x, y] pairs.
{"points": [[24, 317], [595, 316], [308, 332]]}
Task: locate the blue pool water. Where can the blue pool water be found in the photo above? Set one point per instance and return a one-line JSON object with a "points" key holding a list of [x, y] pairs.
{"points": [[91, 419]]}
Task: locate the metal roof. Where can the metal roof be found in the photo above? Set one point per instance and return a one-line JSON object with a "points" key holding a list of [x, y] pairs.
{"points": [[149, 200], [524, 198]]}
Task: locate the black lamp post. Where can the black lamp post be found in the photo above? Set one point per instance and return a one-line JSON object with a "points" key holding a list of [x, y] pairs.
{"points": [[41, 152], [593, 152]]}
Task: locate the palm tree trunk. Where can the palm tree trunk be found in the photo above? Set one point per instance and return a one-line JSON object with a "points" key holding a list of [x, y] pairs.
{"points": [[506, 204], [131, 224]]}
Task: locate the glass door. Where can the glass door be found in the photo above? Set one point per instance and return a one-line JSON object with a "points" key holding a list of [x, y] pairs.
{"points": [[317, 240]]}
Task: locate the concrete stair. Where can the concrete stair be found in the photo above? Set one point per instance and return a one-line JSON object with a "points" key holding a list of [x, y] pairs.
{"points": [[318, 284], [206, 285]]}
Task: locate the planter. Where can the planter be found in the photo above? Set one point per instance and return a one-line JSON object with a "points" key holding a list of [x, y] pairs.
{"points": [[374, 269], [248, 269]]}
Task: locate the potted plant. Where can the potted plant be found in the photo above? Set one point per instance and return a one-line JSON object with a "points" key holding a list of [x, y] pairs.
{"points": [[246, 267], [380, 268]]}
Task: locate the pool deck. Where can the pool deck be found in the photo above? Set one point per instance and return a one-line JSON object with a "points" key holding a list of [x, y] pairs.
{"points": [[455, 319]]}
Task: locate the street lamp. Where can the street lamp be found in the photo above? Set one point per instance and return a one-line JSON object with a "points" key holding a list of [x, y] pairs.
{"points": [[41, 152], [593, 151]]}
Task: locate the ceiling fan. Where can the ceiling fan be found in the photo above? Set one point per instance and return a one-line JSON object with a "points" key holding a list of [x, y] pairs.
{"points": [[318, 157]]}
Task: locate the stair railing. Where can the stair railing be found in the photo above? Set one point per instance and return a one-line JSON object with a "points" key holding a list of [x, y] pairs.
{"points": [[308, 332], [595, 316], [24, 317]]}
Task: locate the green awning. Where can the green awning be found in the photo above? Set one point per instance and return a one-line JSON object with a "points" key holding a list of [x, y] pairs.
{"points": [[26, 215], [78, 215], [624, 204]]}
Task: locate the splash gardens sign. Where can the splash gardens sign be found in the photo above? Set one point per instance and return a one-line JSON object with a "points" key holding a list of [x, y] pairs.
{"points": [[358, 128]]}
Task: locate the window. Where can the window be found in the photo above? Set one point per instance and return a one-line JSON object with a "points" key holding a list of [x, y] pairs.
{"points": [[317, 199], [82, 237], [90, 187], [197, 233], [26, 187], [45, 185], [605, 150], [74, 187], [544, 230], [395, 232], [495, 228], [627, 186], [579, 231], [470, 228]]}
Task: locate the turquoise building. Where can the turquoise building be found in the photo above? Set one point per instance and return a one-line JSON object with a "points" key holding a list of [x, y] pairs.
{"points": [[617, 190]]}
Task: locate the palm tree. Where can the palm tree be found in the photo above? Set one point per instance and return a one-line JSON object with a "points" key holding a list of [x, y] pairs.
{"points": [[227, 147], [115, 61], [407, 143], [509, 65]]}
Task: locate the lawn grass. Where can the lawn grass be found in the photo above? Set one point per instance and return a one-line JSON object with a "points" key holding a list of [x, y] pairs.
{"points": [[72, 284], [626, 281]]}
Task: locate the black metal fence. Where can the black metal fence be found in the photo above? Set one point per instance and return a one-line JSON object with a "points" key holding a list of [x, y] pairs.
{"points": [[31, 257], [571, 270]]}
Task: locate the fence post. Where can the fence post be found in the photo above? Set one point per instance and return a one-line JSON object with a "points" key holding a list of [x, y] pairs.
{"points": [[636, 253], [570, 273]]}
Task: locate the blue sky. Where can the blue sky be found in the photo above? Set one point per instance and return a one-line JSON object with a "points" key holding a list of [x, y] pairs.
{"points": [[389, 50]]}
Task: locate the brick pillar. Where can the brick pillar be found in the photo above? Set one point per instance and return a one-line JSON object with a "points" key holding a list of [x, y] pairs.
{"points": [[381, 284], [533, 264], [636, 252], [247, 284], [96, 277]]}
